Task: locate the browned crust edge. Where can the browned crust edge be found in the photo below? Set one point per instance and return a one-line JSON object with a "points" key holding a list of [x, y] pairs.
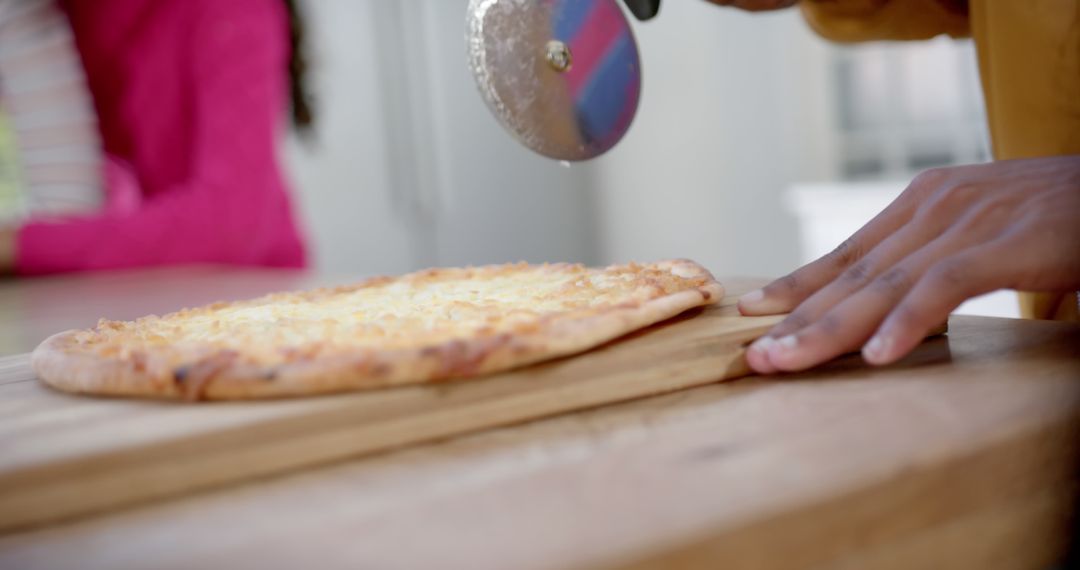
{"points": [[221, 379]]}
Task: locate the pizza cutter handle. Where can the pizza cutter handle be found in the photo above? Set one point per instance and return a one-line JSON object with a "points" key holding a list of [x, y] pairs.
{"points": [[643, 9]]}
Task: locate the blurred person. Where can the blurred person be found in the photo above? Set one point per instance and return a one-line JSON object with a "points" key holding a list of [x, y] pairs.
{"points": [[956, 232], [190, 97]]}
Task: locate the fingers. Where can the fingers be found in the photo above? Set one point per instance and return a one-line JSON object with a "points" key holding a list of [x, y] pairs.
{"points": [[849, 325], [757, 356], [914, 235], [855, 277], [843, 329], [789, 291], [944, 287], [953, 234]]}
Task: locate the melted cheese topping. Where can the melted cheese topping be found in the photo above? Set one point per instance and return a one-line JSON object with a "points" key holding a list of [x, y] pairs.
{"points": [[422, 309]]}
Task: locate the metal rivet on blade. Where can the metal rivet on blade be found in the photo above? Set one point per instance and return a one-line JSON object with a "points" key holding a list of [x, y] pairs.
{"points": [[559, 56]]}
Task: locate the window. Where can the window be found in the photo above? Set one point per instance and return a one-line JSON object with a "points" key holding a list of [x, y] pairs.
{"points": [[905, 107]]}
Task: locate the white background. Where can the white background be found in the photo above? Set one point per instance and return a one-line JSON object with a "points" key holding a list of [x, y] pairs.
{"points": [[734, 159]]}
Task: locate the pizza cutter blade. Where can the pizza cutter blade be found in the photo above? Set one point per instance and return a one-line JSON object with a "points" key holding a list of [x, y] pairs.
{"points": [[563, 76]]}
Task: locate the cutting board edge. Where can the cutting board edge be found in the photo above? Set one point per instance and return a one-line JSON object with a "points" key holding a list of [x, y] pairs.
{"points": [[25, 503]]}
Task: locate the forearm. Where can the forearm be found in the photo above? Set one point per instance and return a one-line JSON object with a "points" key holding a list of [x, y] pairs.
{"points": [[241, 224]]}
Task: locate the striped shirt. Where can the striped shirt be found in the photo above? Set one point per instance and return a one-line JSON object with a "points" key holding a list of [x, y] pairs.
{"points": [[50, 147]]}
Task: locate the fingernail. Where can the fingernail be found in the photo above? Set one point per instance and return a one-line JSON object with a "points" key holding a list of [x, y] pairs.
{"points": [[753, 297], [788, 342], [876, 350], [762, 344]]}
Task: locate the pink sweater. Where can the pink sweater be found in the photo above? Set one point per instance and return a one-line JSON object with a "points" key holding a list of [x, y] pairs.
{"points": [[191, 97]]}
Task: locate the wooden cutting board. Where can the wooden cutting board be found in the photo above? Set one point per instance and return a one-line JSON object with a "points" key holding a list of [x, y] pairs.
{"points": [[63, 456]]}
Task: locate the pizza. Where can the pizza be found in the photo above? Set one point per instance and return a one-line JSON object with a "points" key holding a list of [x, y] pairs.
{"points": [[429, 326]]}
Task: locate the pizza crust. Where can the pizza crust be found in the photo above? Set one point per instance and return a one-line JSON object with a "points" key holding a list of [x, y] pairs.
{"points": [[64, 362]]}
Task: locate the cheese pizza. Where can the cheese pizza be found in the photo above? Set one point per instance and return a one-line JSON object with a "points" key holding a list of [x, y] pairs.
{"points": [[429, 326]]}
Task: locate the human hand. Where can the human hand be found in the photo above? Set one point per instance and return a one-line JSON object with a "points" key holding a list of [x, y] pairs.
{"points": [[953, 234], [756, 5]]}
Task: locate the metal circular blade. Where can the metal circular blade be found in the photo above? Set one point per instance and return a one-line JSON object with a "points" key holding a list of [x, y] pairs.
{"points": [[564, 76]]}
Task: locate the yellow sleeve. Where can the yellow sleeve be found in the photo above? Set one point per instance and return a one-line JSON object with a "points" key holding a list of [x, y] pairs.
{"points": [[1053, 306], [865, 20]]}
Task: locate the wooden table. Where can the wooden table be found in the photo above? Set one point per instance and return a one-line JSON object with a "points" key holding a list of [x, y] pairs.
{"points": [[962, 455]]}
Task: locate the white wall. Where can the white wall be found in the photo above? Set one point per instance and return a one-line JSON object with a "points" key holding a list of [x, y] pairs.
{"points": [[410, 169], [732, 114], [504, 203], [341, 181]]}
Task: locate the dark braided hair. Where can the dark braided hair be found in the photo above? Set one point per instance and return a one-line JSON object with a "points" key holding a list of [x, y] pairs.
{"points": [[302, 115]]}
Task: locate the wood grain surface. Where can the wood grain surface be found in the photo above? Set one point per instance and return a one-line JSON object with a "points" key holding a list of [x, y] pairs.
{"points": [[961, 456]]}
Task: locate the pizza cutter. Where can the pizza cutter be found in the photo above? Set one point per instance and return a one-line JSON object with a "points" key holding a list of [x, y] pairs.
{"points": [[563, 76]]}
